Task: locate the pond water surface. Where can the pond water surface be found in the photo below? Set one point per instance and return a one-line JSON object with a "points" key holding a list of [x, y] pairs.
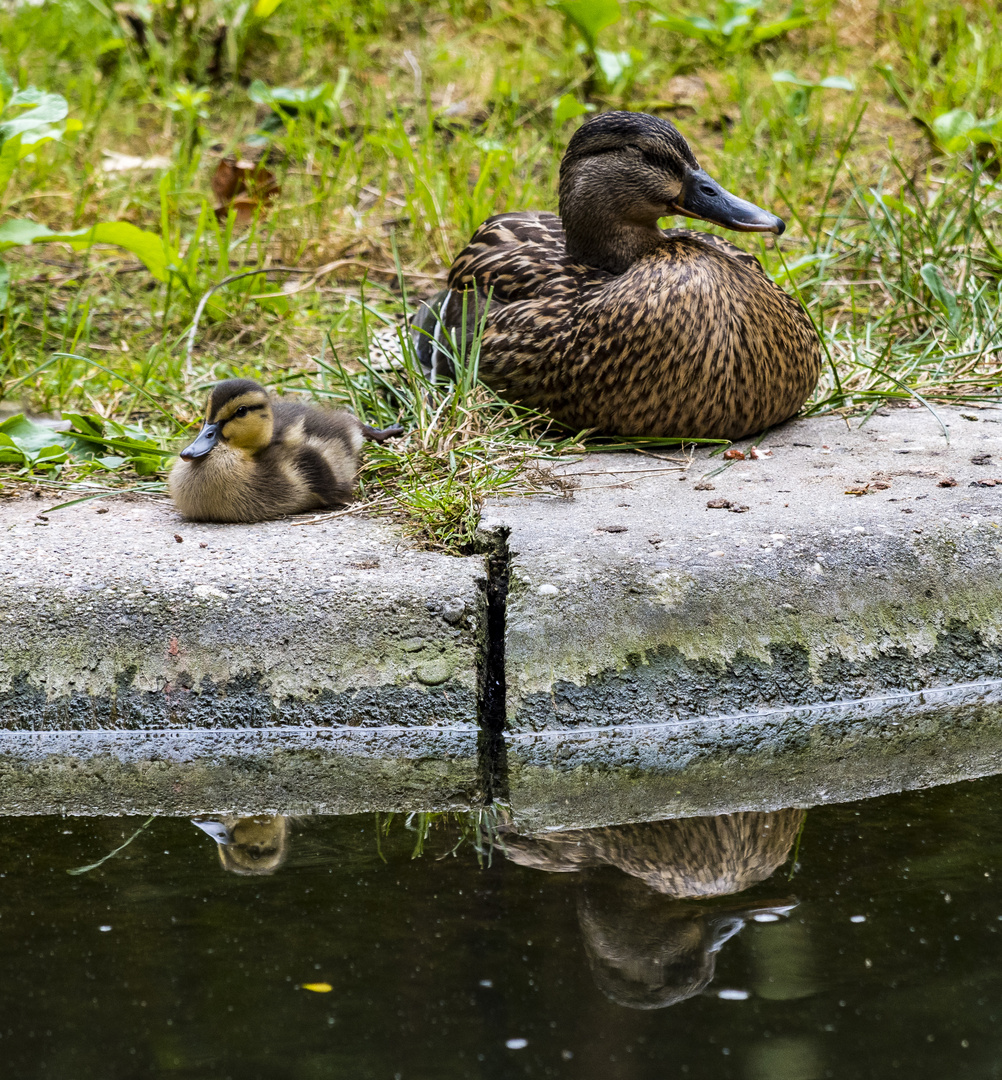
{"points": [[680, 949]]}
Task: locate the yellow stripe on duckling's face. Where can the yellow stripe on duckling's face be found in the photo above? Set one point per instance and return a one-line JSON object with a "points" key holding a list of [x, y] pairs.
{"points": [[245, 421]]}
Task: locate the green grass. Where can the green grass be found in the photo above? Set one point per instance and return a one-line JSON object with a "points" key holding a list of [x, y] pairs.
{"points": [[414, 122]]}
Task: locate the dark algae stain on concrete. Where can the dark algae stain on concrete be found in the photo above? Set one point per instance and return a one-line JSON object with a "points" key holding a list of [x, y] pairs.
{"points": [[668, 684]]}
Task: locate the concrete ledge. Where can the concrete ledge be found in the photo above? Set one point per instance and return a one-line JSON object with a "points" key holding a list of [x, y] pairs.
{"points": [[768, 760], [675, 639], [108, 623], [274, 770], [838, 569]]}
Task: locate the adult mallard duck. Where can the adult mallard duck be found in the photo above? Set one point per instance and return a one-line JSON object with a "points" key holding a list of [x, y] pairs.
{"points": [[259, 457], [604, 320]]}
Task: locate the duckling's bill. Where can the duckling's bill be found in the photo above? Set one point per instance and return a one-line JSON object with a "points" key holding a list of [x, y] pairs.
{"points": [[207, 439]]}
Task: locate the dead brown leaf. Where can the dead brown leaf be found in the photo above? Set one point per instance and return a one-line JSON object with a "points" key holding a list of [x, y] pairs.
{"points": [[245, 186]]}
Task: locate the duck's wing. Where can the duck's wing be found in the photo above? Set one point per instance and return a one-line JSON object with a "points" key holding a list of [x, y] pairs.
{"points": [[511, 258], [320, 446]]}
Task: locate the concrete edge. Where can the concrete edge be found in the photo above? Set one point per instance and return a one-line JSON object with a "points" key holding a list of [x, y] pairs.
{"points": [[798, 756], [274, 770]]}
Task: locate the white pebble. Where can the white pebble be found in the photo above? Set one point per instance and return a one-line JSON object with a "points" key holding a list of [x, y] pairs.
{"points": [[547, 590], [517, 1044]]}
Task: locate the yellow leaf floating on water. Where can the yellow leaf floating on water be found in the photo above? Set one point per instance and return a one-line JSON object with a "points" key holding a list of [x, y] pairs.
{"points": [[318, 988]]}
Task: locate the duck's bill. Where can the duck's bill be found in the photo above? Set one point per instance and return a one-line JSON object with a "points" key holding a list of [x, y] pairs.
{"points": [[702, 197], [207, 439]]}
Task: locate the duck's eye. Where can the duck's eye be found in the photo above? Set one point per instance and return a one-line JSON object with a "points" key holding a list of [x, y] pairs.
{"points": [[242, 411]]}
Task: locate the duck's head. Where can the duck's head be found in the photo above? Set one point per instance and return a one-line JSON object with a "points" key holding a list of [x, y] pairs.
{"points": [[622, 171], [238, 415]]}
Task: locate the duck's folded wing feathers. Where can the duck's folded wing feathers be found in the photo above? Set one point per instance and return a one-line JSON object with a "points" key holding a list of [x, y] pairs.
{"points": [[511, 258]]}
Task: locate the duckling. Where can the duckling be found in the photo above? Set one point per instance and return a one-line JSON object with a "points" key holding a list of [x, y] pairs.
{"points": [[256, 844], [259, 457], [606, 321]]}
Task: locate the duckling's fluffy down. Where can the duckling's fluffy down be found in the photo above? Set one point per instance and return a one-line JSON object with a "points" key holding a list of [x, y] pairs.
{"points": [[310, 464]]}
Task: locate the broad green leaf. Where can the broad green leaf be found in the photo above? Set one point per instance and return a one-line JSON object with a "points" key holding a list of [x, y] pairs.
{"points": [[264, 8], [32, 140], [103, 443], [32, 437], [146, 246], [47, 109], [567, 108], [952, 128], [87, 425], [10, 452], [20, 231], [307, 99], [591, 17], [833, 82], [733, 24], [6, 87], [277, 305], [983, 133], [53, 454], [773, 30], [146, 466], [129, 440], [692, 27], [613, 65]]}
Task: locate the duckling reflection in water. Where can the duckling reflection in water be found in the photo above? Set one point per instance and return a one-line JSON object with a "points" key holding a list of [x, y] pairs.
{"points": [[258, 844], [259, 457], [648, 944]]}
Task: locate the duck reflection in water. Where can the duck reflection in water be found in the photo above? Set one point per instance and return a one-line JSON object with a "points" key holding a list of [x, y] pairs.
{"points": [[255, 844], [650, 942]]}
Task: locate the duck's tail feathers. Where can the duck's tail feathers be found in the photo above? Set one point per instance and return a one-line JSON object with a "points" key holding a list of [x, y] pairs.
{"points": [[430, 332], [446, 328]]}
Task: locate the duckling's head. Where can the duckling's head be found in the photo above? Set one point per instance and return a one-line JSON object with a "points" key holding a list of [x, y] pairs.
{"points": [[622, 171], [238, 415]]}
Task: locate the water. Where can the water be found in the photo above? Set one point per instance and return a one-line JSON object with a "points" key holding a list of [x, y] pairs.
{"points": [[879, 956]]}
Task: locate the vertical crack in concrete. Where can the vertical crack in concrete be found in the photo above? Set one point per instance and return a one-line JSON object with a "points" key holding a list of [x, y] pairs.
{"points": [[492, 692]]}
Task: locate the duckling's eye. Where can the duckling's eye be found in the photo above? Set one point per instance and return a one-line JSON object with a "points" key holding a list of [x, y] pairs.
{"points": [[242, 411]]}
